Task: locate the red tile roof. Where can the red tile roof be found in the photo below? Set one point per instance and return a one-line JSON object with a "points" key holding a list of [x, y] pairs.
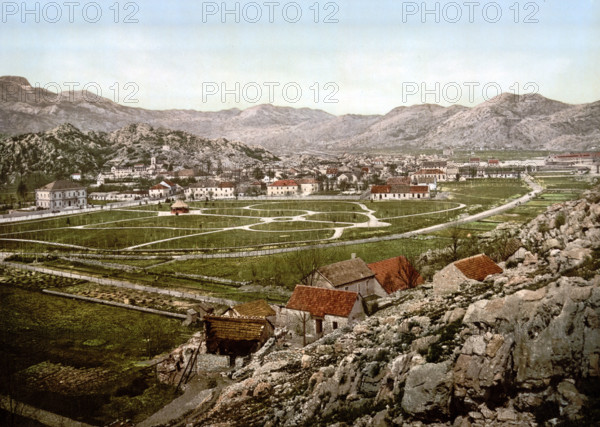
{"points": [[226, 185], [419, 189], [379, 189], [395, 274], [493, 162], [159, 187], [478, 267], [308, 181], [429, 172], [322, 301], [284, 183], [398, 180]]}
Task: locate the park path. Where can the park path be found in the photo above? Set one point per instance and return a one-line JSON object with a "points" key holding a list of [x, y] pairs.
{"points": [[536, 189], [121, 284]]}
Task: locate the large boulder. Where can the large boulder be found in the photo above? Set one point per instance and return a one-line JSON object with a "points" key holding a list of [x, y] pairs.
{"points": [[427, 391]]}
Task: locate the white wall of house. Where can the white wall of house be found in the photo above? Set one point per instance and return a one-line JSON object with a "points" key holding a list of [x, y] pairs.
{"points": [[366, 287], [285, 190], [307, 189], [293, 320], [61, 199]]}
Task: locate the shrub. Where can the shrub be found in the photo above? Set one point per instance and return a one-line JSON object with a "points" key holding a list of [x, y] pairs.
{"points": [[560, 220]]}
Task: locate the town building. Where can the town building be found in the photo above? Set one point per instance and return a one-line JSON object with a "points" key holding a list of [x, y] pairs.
{"points": [[61, 194], [210, 189], [163, 189], [308, 186], [437, 174], [399, 192], [283, 187]]}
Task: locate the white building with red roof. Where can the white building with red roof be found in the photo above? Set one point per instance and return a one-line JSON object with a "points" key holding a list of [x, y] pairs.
{"points": [[399, 192], [284, 187], [313, 312]]}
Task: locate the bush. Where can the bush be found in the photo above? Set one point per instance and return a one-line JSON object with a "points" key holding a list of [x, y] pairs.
{"points": [[560, 220]]}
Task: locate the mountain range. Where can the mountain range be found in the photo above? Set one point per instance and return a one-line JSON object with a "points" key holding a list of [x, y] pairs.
{"points": [[506, 121]]}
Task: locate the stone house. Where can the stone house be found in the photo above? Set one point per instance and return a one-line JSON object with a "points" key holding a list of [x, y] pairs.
{"points": [[395, 274], [313, 312], [61, 194], [350, 275], [477, 267], [236, 336]]}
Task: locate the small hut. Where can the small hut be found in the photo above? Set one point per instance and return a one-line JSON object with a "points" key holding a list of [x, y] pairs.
{"points": [[179, 207]]}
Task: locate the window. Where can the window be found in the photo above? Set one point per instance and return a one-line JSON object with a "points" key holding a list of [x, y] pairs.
{"points": [[334, 325]]}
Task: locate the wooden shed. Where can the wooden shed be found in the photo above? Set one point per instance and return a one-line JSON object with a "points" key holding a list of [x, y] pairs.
{"points": [[236, 336]]}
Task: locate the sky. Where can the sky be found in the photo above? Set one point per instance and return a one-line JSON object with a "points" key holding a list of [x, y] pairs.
{"points": [[343, 56]]}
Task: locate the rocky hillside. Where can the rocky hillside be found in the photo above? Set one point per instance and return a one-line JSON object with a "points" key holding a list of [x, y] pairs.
{"points": [[520, 348], [507, 121], [66, 149]]}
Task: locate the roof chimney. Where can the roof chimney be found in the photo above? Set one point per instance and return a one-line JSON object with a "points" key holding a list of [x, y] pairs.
{"points": [[353, 255]]}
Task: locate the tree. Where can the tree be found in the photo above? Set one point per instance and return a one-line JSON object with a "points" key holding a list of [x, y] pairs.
{"points": [[456, 242], [22, 190], [257, 173], [408, 272]]}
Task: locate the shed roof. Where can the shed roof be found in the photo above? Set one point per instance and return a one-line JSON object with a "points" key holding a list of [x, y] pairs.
{"points": [[395, 274], [322, 301], [477, 267], [348, 271], [235, 328], [258, 308]]}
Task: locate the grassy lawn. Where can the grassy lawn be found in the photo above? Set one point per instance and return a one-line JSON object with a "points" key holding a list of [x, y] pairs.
{"points": [[92, 352], [102, 239], [241, 238], [183, 221], [283, 269], [72, 221], [293, 226], [480, 194], [338, 217], [253, 212], [311, 205], [392, 209]]}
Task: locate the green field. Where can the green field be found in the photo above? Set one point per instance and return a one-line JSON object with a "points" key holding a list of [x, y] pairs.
{"points": [[93, 353], [224, 224]]}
